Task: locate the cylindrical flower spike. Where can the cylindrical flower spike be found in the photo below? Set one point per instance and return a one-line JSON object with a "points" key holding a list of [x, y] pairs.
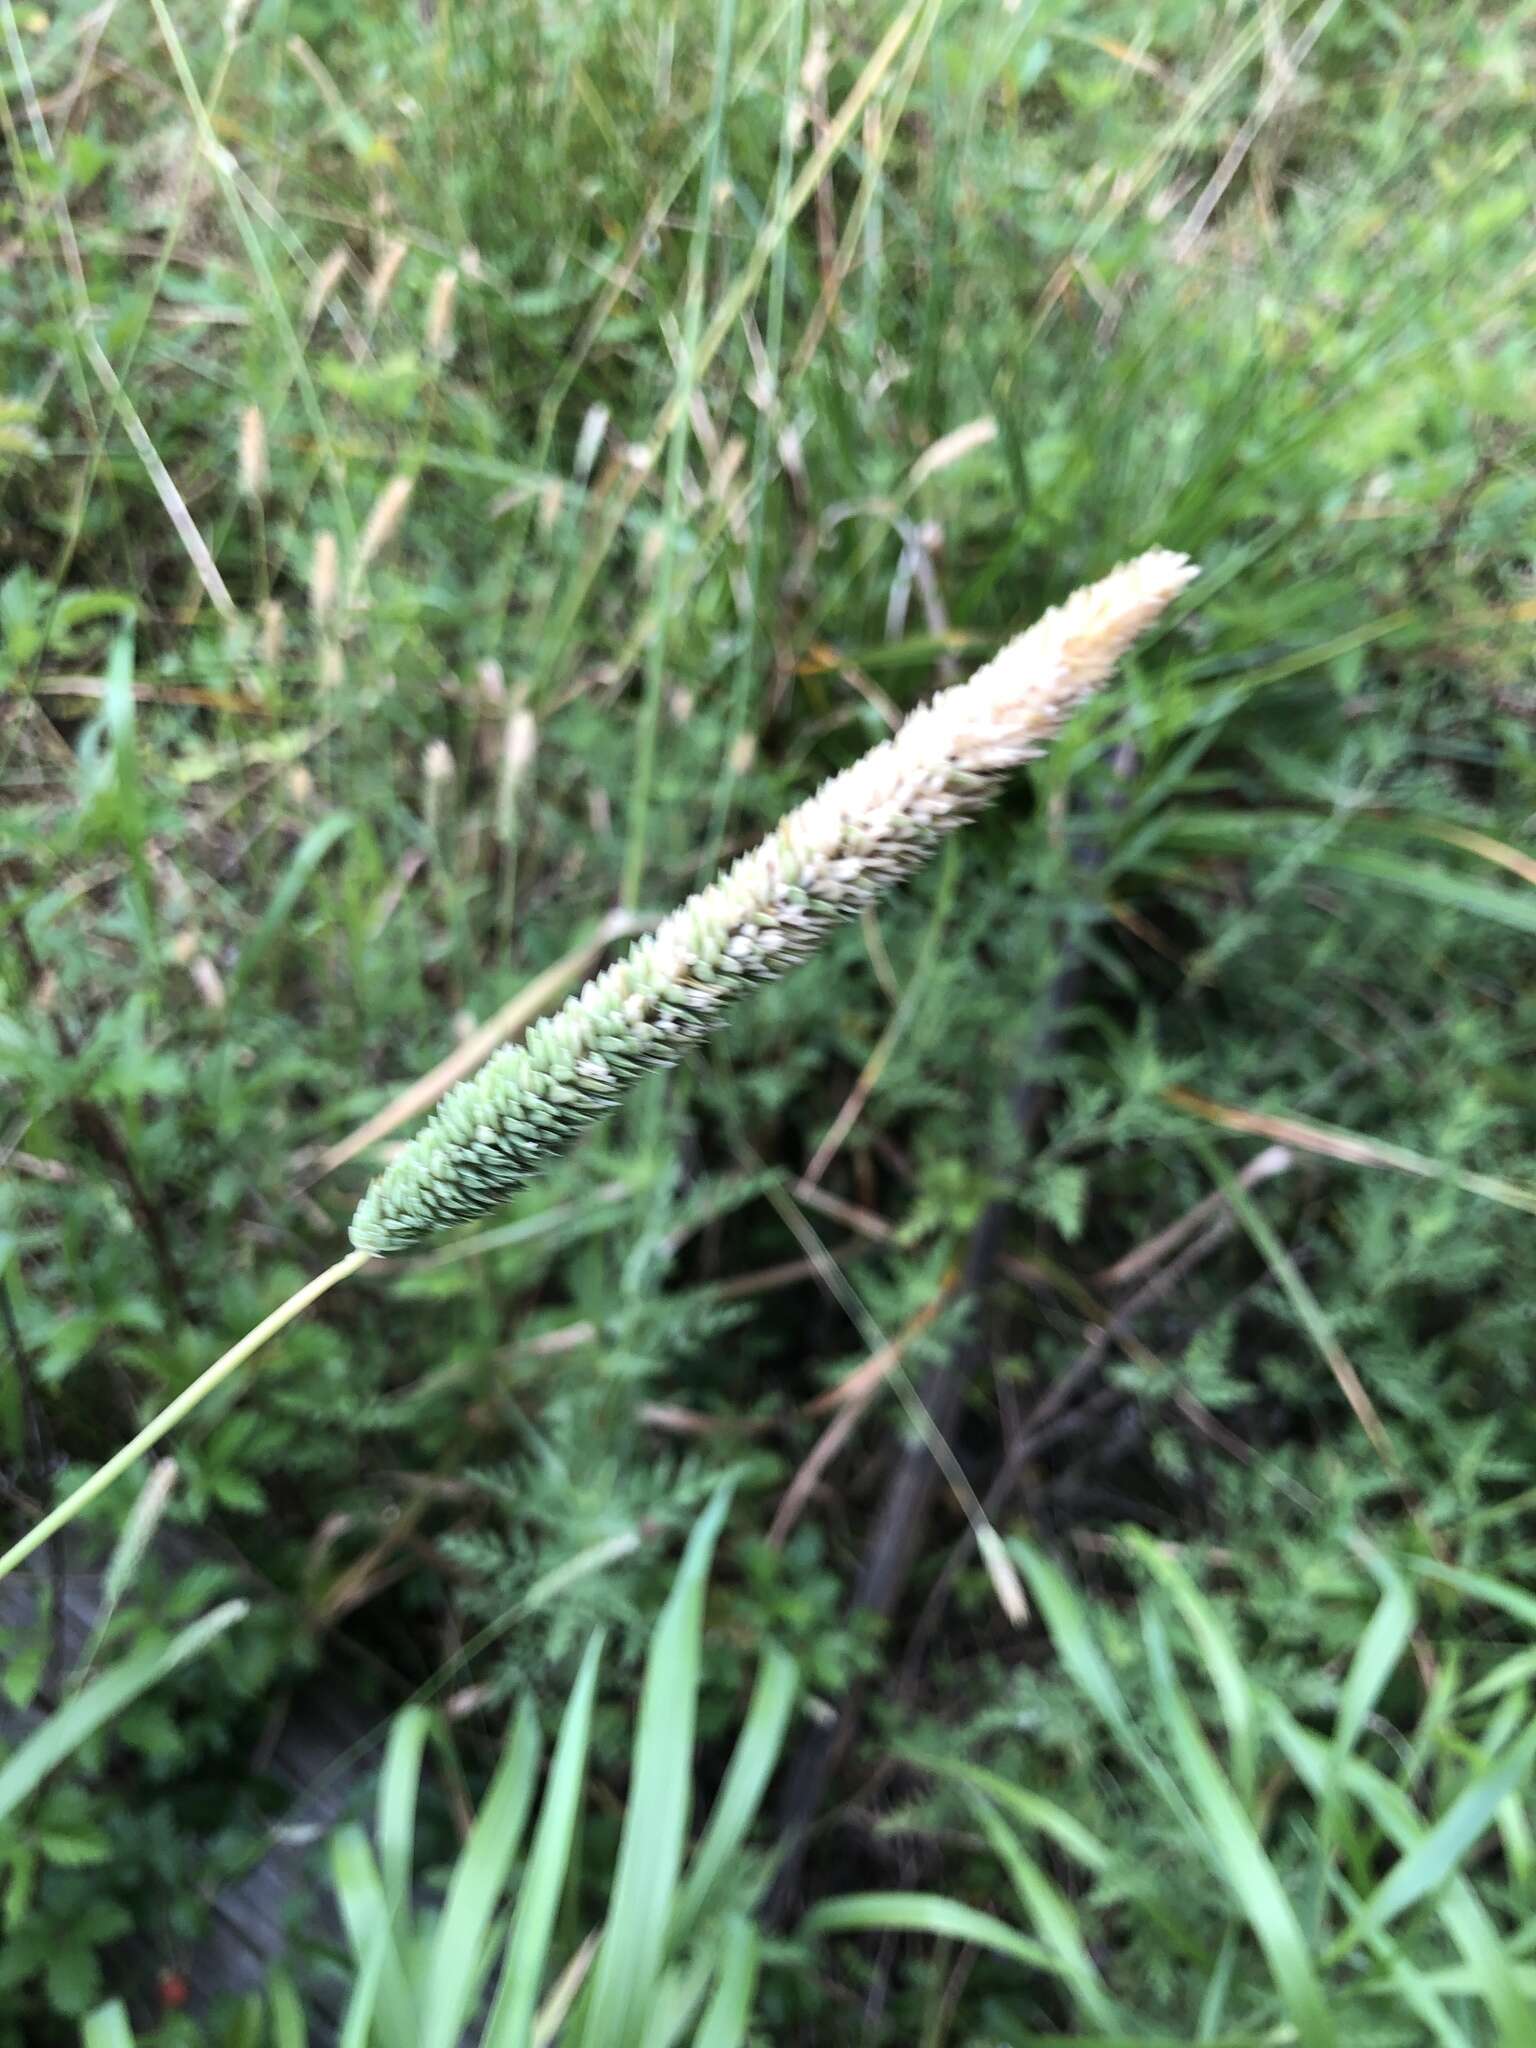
{"points": [[856, 837]]}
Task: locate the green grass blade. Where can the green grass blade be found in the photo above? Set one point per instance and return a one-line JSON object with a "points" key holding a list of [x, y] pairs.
{"points": [[1233, 1845], [1149, 2040], [1435, 884], [656, 1821], [1405, 1979], [1376, 1657], [1433, 1859], [307, 856], [107, 2027], [459, 1955], [1380, 1651], [138, 1531], [679, 437], [1086, 1665], [724, 2025], [926, 1913], [1029, 1809], [395, 1805], [538, 1897], [1467, 1920], [78, 1719], [1220, 1656], [1512, 1671], [1054, 1921], [746, 1779], [357, 2022], [289, 2028], [382, 1989], [1218, 1990], [677, 1997], [1511, 1600]]}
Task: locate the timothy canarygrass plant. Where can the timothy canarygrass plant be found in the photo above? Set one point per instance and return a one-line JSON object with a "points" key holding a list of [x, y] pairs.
{"points": [[859, 835]]}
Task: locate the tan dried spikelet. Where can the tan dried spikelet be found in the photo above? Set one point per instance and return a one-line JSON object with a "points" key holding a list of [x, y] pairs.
{"points": [[383, 520], [519, 744], [386, 271], [253, 453], [324, 564], [861, 833], [437, 772], [439, 330]]}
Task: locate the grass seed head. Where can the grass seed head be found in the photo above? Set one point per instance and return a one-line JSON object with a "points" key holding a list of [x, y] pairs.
{"points": [[859, 835]]}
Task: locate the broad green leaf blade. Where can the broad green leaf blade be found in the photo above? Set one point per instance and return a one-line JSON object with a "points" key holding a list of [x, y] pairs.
{"points": [[459, 1956], [656, 1821], [746, 1779], [538, 1897], [1233, 1843], [103, 1700]]}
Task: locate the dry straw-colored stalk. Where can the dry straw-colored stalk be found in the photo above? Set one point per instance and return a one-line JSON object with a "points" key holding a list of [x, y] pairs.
{"points": [[859, 835]]}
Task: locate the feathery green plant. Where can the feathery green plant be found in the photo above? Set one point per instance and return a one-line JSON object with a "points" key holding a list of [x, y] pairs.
{"points": [[859, 835]]}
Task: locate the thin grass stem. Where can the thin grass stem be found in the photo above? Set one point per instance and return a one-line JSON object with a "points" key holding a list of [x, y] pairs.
{"points": [[176, 1411]]}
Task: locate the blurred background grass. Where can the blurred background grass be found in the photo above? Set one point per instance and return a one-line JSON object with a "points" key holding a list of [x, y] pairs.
{"points": [[468, 466]]}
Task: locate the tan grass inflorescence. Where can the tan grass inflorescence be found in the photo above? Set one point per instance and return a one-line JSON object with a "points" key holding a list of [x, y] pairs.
{"points": [[861, 833]]}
